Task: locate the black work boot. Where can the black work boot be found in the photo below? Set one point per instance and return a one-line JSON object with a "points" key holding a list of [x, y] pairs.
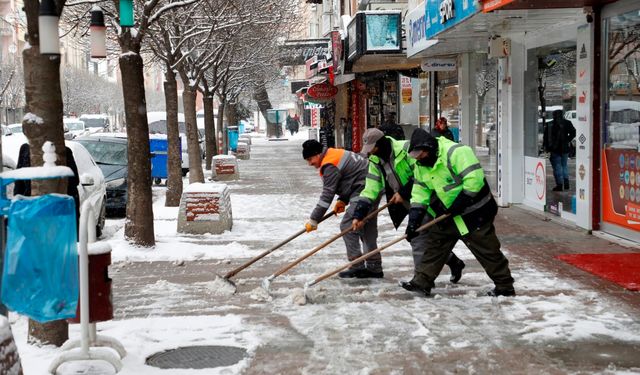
{"points": [[557, 188], [367, 273], [505, 292], [350, 273], [456, 265], [566, 184], [410, 286]]}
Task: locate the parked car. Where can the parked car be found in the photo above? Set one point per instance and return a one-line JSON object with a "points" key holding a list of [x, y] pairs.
{"points": [[15, 128], [572, 116], [96, 123], [6, 130], [92, 187], [74, 128], [110, 154]]}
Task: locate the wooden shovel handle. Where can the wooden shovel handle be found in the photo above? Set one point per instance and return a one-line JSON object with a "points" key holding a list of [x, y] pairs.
{"points": [[376, 251], [324, 244], [235, 271]]}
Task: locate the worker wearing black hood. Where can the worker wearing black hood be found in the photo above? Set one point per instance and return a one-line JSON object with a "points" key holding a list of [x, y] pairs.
{"points": [[448, 179], [391, 172]]}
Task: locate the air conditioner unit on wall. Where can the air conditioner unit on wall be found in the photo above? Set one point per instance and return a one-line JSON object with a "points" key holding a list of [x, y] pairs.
{"points": [[499, 47]]}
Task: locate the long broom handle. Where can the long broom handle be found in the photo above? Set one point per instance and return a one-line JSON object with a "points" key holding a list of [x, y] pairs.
{"points": [[374, 252], [324, 244], [235, 271]]}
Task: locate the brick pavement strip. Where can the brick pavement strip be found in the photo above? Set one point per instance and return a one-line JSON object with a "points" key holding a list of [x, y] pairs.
{"points": [[293, 343]]}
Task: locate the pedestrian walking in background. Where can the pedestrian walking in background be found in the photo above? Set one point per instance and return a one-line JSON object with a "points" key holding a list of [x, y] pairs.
{"points": [[295, 124], [557, 141], [391, 173], [449, 180], [391, 128], [343, 174], [442, 129]]}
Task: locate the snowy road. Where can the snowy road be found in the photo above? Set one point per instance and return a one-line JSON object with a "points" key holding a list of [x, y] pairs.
{"points": [[168, 297]]}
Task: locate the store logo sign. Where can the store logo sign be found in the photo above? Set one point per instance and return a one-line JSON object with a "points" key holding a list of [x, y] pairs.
{"points": [[447, 11], [438, 65], [582, 171]]}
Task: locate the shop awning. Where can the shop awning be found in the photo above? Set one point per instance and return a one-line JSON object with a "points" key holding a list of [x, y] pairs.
{"points": [[473, 34], [376, 63]]}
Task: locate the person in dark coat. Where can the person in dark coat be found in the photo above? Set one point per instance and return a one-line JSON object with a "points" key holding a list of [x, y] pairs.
{"points": [[557, 141], [23, 187], [391, 129], [442, 129]]}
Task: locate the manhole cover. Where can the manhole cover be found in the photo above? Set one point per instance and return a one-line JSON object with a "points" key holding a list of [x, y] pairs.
{"points": [[198, 357]]}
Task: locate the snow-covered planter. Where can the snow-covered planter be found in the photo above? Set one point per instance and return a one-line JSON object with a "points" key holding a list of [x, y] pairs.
{"points": [[226, 167], [246, 138], [9, 360], [243, 151], [205, 208]]}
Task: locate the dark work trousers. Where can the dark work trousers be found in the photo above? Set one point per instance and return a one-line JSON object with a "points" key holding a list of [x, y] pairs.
{"points": [[483, 243], [368, 235], [419, 244]]}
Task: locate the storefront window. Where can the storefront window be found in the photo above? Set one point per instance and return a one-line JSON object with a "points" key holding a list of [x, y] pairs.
{"points": [[621, 130], [550, 126], [448, 102], [485, 142]]}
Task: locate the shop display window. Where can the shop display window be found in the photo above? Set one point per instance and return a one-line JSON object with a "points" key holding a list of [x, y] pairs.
{"points": [[621, 130], [485, 142]]}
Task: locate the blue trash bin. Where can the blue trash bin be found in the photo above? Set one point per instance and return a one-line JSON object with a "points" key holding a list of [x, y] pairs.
{"points": [[159, 145], [232, 137]]}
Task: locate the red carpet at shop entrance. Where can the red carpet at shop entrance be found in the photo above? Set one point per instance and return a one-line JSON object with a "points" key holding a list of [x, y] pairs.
{"points": [[621, 268]]}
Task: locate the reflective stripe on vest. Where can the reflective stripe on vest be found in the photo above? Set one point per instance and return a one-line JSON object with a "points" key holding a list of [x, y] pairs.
{"points": [[334, 156]]}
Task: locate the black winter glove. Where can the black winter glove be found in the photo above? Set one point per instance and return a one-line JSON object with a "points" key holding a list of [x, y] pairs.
{"points": [[458, 206], [416, 214], [438, 207], [362, 209]]}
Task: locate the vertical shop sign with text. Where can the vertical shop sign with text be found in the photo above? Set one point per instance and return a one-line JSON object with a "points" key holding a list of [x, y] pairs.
{"points": [[584, 127], [406, 90]]}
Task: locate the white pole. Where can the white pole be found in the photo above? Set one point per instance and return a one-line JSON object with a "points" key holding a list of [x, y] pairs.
{"points": [[87, 225]]}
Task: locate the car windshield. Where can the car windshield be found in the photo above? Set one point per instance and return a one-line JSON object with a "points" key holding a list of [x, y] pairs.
{"points": [[95, 122], [111, 153], [75, 125]]}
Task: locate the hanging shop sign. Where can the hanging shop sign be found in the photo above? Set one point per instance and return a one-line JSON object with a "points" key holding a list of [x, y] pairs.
{"points": [[443, 14], [336, 48], [297, 52], [321, 91], [374, 32], [312, 105], [491, 5], [439, 65]]}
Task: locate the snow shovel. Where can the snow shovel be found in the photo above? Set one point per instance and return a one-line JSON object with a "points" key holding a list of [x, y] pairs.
{"points": [[236, 270], [370, 254], [267, 282]]}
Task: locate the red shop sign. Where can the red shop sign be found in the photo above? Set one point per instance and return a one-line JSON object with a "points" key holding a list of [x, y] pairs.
{"points": [[322, 91]]}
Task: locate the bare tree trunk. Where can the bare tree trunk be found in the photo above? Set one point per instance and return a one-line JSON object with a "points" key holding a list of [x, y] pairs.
{"points": [[174, 165], [211, 148], [222, 125], [261, 97], [43, 99], [139, 225], [195, 159], [232, 114]]}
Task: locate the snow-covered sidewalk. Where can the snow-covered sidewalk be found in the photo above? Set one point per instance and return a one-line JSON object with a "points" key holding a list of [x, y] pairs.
{"points": [[169, 297]]}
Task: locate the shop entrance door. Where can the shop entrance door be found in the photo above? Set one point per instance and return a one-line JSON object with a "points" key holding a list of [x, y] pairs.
{"points": [[550, 125]]}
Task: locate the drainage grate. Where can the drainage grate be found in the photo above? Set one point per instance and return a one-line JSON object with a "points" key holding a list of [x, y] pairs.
{"points": [[198, 357]]}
